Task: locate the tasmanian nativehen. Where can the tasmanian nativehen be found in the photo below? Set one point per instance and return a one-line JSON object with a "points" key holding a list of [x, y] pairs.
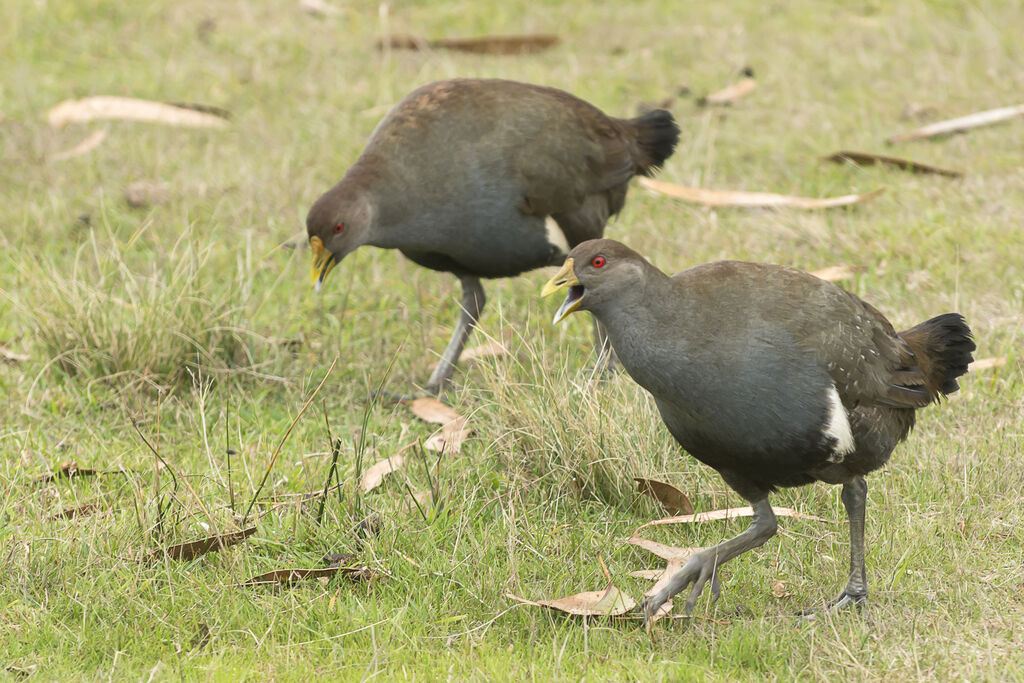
{"points": [[485, 179], [769, 375]]}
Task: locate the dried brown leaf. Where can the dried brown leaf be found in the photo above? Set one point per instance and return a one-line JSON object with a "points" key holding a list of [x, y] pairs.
{"points": [[493, 45], [91, 142], [290, 576], [751, 199], [418, 501], [432, 410], [374, 475], [671, 567], [731, 93], [143, 193], [129, 109], [649, 574], [80, 511], [193, 549], [449, 440], [485, 350], [729, 513], [779, 589], [9, 356], [610, 602], [987, 363], [665, 552], [981, 118], [66, 470], [870, 158], [672, 499], [834, 273], [319, 8]]}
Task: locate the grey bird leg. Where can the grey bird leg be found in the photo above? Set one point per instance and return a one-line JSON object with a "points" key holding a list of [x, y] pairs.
{"points": [[703, 566], [855, 495], [473, 301]]}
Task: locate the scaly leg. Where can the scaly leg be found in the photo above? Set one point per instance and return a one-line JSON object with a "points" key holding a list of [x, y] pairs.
{"points": [[703, 566], [473, 301], [855, 495]]}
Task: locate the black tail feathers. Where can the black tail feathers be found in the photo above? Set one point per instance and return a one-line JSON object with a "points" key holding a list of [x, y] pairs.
{"points": [[656, 135], [943, 346]]}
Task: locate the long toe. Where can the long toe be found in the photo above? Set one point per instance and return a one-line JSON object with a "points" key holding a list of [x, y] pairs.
{"points": [[844, 602]]}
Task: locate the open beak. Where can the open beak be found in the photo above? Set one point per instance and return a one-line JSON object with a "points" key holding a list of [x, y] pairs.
{"points": [[565, 277], [323, 262]]}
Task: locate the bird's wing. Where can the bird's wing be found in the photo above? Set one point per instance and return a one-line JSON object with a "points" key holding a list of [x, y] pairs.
{"points": [[576, 151], [866, 359]]}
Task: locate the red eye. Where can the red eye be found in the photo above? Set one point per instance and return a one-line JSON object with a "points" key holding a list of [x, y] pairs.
{"points": [[597, 262], [339, 227]]}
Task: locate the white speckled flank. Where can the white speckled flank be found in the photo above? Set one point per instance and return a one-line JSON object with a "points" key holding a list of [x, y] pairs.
{"points": [[838, 426], [555, 235]]}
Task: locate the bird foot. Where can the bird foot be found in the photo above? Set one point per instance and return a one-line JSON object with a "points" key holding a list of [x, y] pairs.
{"points": [[698, 570], [845, 601]]}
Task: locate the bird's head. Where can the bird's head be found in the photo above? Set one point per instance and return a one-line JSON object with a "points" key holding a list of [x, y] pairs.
{"points": [[597, 271], [338, 223]]}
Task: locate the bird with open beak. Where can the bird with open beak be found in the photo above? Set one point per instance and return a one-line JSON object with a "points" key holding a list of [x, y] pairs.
{"points": [[769, 375]]}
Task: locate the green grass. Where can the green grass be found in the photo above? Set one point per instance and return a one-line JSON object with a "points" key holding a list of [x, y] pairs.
{"points": [[189, 319]]}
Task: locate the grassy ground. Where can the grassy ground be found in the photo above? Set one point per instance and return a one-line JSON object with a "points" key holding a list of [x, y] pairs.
{"points": [[191, 320]]}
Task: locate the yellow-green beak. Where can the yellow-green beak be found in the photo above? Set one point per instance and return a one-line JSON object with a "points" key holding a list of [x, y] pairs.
{"points": [[323, 262], [565, 277]]}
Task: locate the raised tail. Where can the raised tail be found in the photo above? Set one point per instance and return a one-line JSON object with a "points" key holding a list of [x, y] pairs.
{"points": [[942, 348], [656, 136]]}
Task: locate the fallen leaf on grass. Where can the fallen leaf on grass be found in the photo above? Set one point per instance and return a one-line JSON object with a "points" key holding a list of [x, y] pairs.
{"points": [[834, 273], [453, 432], [67, 470], [8, 356], [731, 93], [869, 158], [94, 140], [649, 574], [491, 45], [779, 589], [666, 552], [418, 500], [319, 8], [432, 410], [486, 350], [289, 576], [448, 440], [987, 363], [672, 499], [143, 193], [130, 109], [610, 602], [80, 511], [762, 200], [729, 513], [981, 118], [374, 475], [193, 549]]}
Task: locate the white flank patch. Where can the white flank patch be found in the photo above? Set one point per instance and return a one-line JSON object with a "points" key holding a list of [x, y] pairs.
{"points": [[555, 235], [838, 426]]}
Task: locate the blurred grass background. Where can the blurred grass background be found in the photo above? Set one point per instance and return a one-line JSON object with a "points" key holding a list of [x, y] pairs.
{"points": [[194, 318]]}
